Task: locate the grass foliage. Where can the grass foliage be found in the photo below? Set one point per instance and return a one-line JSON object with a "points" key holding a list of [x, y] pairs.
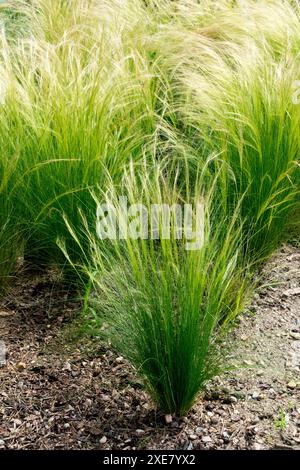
{"points": [[162, 102]]}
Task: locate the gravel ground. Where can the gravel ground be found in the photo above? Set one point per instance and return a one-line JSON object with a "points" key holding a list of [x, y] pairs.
{"points": [[63, 394]]}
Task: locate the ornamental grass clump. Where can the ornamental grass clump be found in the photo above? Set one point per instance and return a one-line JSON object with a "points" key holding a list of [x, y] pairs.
{"points": [[166, 308], [80, 102], [233, 76], [90, 85], [161, 102], [252, 121]]}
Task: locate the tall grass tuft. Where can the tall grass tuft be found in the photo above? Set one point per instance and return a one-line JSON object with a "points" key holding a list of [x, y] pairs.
{"points": [[166, 308], [233, 96], [163, 102], [80, 102]]}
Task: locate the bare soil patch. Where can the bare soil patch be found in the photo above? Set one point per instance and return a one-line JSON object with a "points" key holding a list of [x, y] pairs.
{"points": [[56, 393]]}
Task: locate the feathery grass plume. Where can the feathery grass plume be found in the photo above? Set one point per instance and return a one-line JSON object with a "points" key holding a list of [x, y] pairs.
{"points": [[93, 84], [251, 119], [167, 308], [234, 97], [82, 98], [91, 91], [13, 19]]}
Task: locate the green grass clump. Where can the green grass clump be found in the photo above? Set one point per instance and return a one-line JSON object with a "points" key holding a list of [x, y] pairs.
{"points": [[166, 308], [163, 102], [255, 126], [233, 83], [80, 102]]}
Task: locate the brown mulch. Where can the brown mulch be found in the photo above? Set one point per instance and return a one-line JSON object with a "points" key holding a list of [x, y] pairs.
{"points": [[57, 393]]}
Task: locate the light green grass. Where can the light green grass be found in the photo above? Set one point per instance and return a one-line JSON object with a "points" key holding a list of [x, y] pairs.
{"points": [[163, 101], [166, 309]]}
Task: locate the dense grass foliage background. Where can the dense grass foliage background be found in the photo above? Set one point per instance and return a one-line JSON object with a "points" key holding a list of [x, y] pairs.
{"points": [[159, 101]]}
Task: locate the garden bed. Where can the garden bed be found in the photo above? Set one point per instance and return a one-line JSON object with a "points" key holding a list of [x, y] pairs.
{"points": [[60, 393]]}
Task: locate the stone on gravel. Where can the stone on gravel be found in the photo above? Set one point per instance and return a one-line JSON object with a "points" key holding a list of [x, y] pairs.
{"points": [[295, 335], [67, 367], [5, 314], [199, 430], [188, 445], [225, 436], [291, 292], [103, 440], [104, 397], [232, 399], [175, 425], [168, 419], [257, 446], [206, 439]]}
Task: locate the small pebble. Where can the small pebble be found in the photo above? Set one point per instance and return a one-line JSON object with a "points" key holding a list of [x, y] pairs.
{"points": [[292, 384], [188, 445], [257, 446], [210, 407], [206, 439], [104, 397], [235, 418], [255, 420], [295, 335], [199, 430], [67, 366], [103, 440]]}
